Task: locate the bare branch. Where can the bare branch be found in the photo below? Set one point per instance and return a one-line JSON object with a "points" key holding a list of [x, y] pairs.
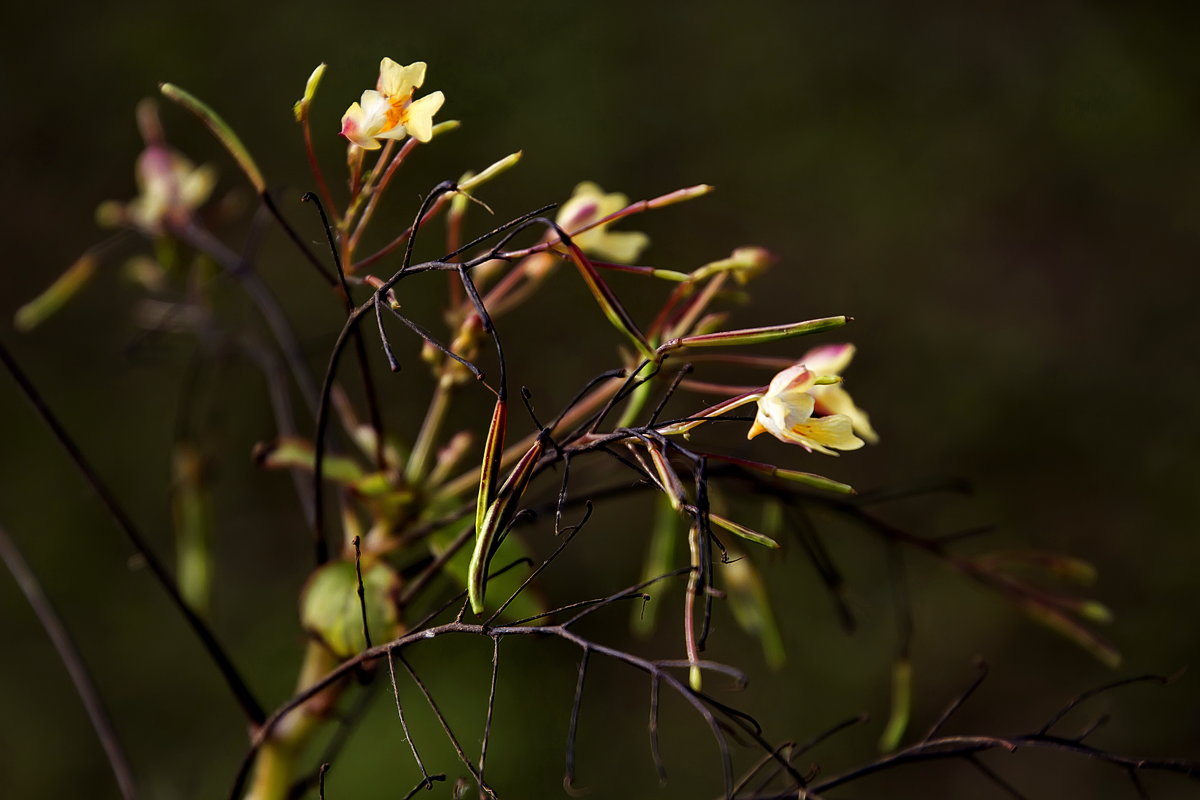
{"points": [[72, 659], [233, 679]]}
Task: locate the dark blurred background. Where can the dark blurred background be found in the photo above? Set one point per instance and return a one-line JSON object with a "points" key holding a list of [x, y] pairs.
{"points": [[1005, 200]]}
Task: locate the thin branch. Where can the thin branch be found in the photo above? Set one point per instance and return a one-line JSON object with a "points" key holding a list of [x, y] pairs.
{"points": [[655, 751], [958, 701], [360, 349], [425, 784], [994, 777], [362, 595], [404, 724], [72, 659], [462, 756], [491, 705], [573, 726], [238, 267], [1107, 687], [233, 679], [961, 746], [538, 570], [308, 254], [321, 781]]}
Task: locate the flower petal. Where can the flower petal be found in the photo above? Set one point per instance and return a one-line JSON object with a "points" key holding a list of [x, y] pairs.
{"points": [[825, 432], [796, 379], [622, 246], [398, 82], [836, 400], [419, 116], [777, 417], [830, 359], [353, 124]]}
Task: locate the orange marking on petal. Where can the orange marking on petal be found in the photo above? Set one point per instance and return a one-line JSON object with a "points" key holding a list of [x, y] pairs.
{"points": [[397, 113]]}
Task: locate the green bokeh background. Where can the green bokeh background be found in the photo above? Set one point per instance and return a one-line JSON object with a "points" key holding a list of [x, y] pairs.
{"points": [[1005, 200]]}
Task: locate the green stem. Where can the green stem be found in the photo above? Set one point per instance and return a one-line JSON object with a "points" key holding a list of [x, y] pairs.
{"points": [[418, 460], [278, 763]]}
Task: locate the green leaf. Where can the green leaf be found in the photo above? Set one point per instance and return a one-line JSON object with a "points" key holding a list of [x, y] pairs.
{"points": [[330, 607], [287, 452]]}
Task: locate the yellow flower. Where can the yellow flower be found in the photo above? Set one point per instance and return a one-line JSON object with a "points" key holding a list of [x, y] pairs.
{"points": [[831, 360], [588, 204], [388, 111], [785, 411]]}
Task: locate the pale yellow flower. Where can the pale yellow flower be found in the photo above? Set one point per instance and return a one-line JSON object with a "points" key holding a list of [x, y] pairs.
{"points": [[830, 361], [589, 203], [170, 189], [785, 411], [388, 111]]}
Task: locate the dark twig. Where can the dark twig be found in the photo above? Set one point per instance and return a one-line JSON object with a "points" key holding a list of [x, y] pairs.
{"points": [[994, 777], [404, 724], [573, 726], [683, 372], [239, 268], [362, 595], [355, 663], [462, 756], [72, 659], [425, 784], [320, 545], [538, 570], [962, 746], [1107, 687], [308, 254], [827, 570], [491, 705], [360, 350], [233, 679], [958, 701], [798, 750], [1093, 726], [321, 780], [655, 751], [773, 757]]}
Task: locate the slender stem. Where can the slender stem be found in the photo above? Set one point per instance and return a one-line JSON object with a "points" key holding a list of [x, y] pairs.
{"points": [[418, 460], [279, 759], [124, 522], [377, 192], [318, 173], [264, 300], [73, 660], [396, 243], [586, 406]]}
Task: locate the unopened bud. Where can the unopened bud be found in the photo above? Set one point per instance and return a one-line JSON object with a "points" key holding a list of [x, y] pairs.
{"points": [[300, 109]]}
